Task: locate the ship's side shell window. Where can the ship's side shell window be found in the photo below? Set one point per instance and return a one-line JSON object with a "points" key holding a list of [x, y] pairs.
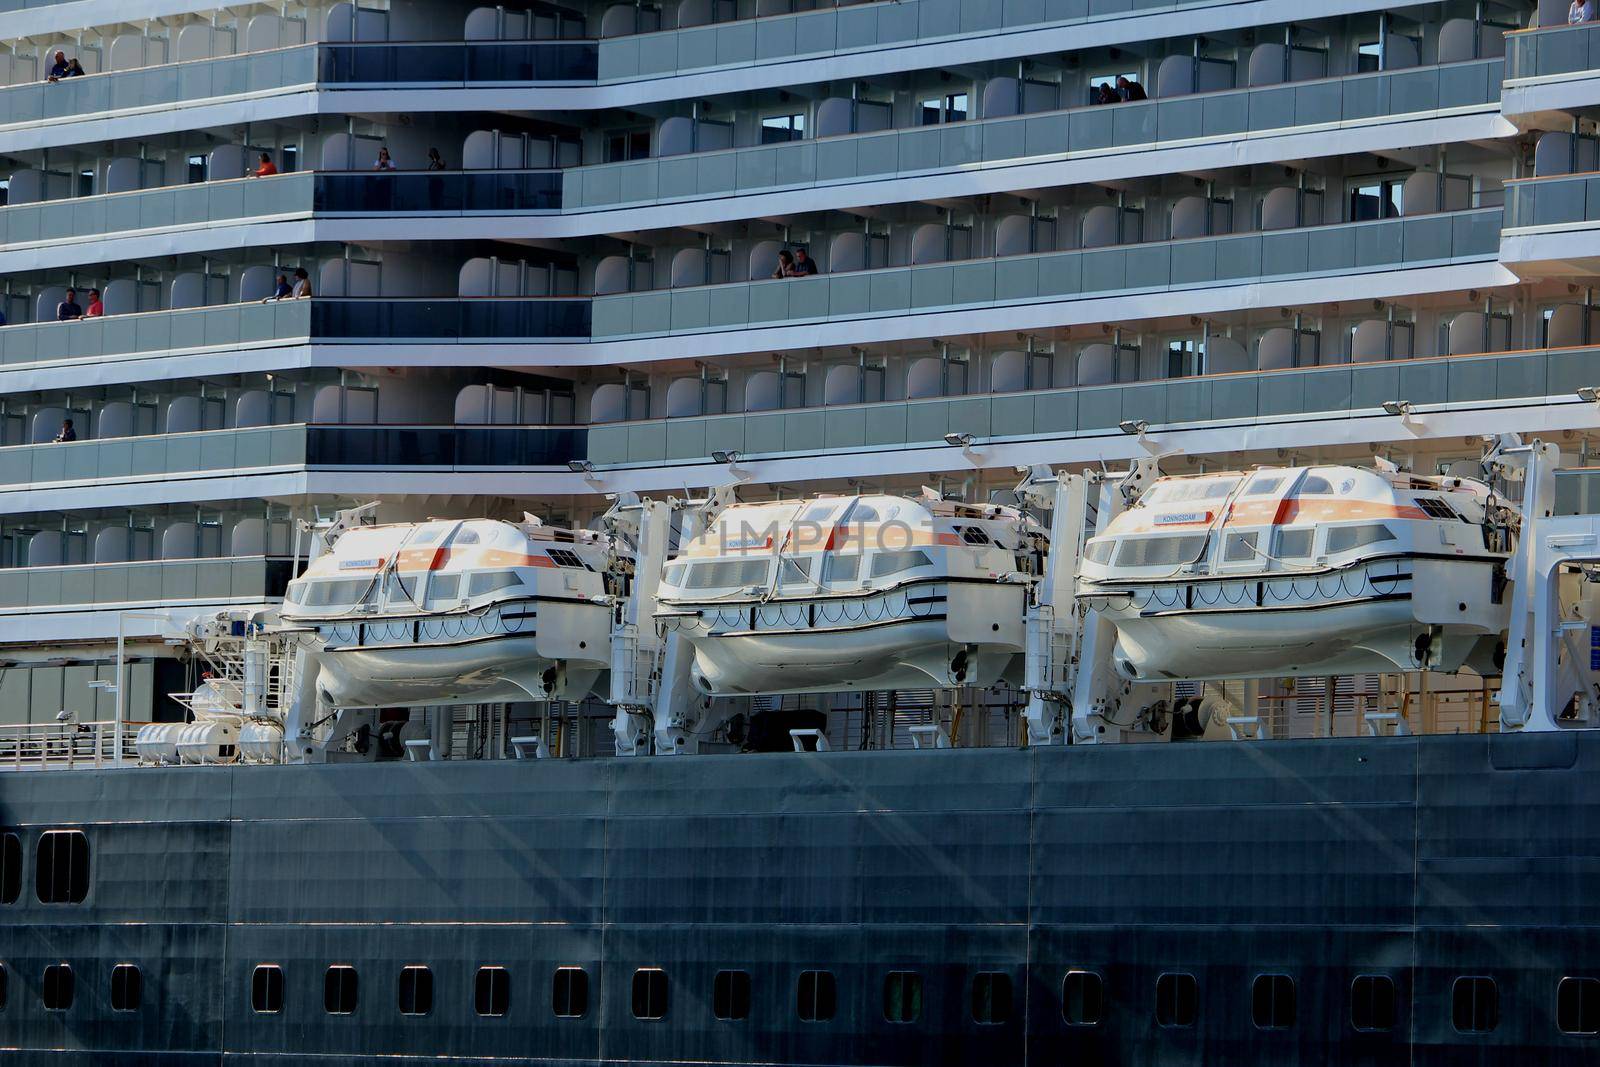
{"points": [[10, 867], [837, 568], [902, 996], [58, 987], [1272, 1002], [727, 574], [5, 983], [1083, 998], [1161, 551], [1475, 1004], [730, 995], [491, 992], [1177, 1000], [1099, 551], [1241, 547], [894, 562], [489, 581], [341, 989], [266, 989], [127, 987], [816, 996], [1578, 1006], [569, 993], [415, 990], [991, 997], [61, 873], [649, 993], [1345, 538], [1372, 1002], [1294, 544]]}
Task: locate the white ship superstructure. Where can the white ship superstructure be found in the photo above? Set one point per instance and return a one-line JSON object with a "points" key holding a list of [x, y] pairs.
{"points": [[603, 279]]}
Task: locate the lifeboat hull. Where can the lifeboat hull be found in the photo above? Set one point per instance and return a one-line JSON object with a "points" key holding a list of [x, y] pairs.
{"points": [[440, 660], [971, 640]]}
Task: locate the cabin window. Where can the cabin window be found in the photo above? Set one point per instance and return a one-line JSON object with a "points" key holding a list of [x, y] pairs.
{"points": [[266, 989], [1578, 1005], [1475, 1005], [1345, 538], [1372, 1002], [569, 993], [673, 575], [415, 992], [340, 990], [10, 867], [1263, 485], [1177, 1000], [1272, 1004], [894, 562], [62, 867], [794, 570], [1083, 998], [1099, 551], [836, 568], [816, 996], [1240, 547], [491, 992], [443, 588], [127, 987], [1294, 544], [649, 993], [57, 987], [902, 996], [726, 574], [1161, 551], [490, 581], [991, 998], [730, 995]]}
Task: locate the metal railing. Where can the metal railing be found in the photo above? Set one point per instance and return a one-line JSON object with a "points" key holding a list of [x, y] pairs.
{"points": [[66, 744]]}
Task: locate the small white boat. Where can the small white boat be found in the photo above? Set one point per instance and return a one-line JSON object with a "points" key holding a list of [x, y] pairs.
{"points": [[452, 611], [1300, 570], [851, 593]]}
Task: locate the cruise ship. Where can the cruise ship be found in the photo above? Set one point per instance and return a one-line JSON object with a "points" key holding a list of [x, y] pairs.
{"points": [[799, 532]]}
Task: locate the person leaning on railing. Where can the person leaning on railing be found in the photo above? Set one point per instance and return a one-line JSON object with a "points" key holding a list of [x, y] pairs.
{"points": [[1580, 11]]}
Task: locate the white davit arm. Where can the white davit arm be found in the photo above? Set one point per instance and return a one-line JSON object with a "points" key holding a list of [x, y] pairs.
{"points": [[325, 533]]}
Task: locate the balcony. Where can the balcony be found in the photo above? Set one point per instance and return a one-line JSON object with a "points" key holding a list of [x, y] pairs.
{"points": [[217, 453], [153, 583], [290, 322], [987, 144], [1297, 397], [1550, 73], [1551, 225]]}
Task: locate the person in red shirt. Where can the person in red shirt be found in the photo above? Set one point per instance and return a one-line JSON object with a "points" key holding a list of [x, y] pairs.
{"points": [[267, 168], [96, 308]]}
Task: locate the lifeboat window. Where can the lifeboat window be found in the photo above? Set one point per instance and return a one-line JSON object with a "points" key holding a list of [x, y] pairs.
{"points": [[400, 589], [1578, 1005], [337, 594], [489, 581], [1315, 485], [902, 997], [1161, 551], [1372, 1002], [727, 573], [443, 587], [816, 996], [894, 562], [1264, 485], [295, 592], [1435, 508], [975, 535], [266, 989], [1294, 544], [1475, 1005], [465, 537], [491, 992], [1176, 492], [861, 512], [565, 557], [991, 997], [1344, 538], [425, 537], [673, 575], [794, 570], [58, 987], [1098, 551], [841, 568], [1241, 547]]}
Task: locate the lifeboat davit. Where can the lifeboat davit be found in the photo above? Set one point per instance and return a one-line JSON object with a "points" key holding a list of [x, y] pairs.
{"points": [[455, 611], [1300, 570], [851, 593]]}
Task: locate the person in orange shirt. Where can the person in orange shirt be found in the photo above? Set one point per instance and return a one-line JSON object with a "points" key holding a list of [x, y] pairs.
{"points": [[96, 308], [267, 167]]}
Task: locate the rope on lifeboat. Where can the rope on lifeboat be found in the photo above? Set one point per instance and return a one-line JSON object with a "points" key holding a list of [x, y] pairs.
{"points": [[1351, 584]]}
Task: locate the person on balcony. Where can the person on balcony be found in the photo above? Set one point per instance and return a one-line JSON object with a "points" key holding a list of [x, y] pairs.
{"points": [[69, 309], [302, 283], [266, 168], [384, 162], [96, 309], [785, 268], [1130, 90], [1106, 93], [1581, 11], [803, 264], [74, 69], [435, 160], [66, 433], [280, 289], [59, 68]]}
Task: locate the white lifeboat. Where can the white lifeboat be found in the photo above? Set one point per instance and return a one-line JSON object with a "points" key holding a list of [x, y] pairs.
{"points": [[850, 593], [1299, 570], [455, 611]]}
